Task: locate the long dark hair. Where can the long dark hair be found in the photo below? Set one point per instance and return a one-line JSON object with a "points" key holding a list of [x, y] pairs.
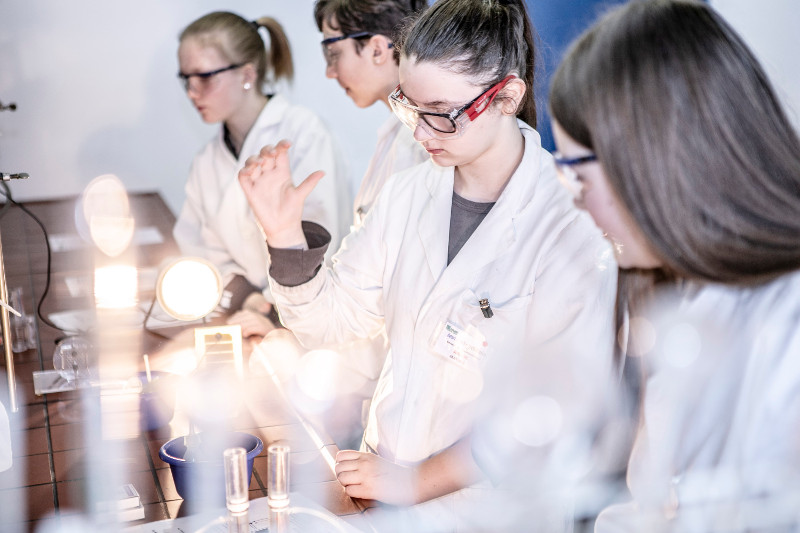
{"points": [[483, 39], [238, 41], [692, 139]]}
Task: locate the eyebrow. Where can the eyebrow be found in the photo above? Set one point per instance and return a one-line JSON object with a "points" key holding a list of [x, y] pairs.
{"points": [[434, 103]]}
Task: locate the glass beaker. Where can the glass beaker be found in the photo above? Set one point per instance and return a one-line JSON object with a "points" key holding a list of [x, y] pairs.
{"points": [[237, 499], [19, 324]]}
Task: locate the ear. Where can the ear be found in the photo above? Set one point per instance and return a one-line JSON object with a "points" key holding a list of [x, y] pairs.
{"points": [[381, 48], [249, 73], [511, 96]]}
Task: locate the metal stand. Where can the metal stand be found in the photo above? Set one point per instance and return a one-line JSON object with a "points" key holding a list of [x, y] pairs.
{"points": [[6, 324]]}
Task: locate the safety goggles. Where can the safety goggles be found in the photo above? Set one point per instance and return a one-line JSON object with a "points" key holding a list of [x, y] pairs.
{"points": [[444, 125], [332, 55], [204, 79], [566, 173]]}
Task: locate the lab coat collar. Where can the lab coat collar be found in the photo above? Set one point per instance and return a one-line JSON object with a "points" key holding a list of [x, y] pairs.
{"points": [[497, 232], [519, 190], [273, 114]]}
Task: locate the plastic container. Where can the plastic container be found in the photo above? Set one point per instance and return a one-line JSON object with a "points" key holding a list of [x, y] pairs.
{"points": [[157, 399], [204, 478]]}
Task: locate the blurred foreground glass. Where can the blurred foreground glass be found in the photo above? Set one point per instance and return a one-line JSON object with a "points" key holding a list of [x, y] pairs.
{"points": [[236, 496], [23, 328], [72, 358], [103, 215], [278, 487]]}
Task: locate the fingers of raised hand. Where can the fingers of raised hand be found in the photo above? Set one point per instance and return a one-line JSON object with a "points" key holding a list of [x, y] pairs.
{"points": [[271, 156], [266, 151], [251, 169]]}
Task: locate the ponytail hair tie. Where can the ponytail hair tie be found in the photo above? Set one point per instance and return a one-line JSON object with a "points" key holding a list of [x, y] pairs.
{"points": [[255, 24]]}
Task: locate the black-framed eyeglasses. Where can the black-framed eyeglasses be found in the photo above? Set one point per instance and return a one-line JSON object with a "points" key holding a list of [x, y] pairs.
{"points": [[566, 173], [444, 125], [331, 55], [205, 77]]}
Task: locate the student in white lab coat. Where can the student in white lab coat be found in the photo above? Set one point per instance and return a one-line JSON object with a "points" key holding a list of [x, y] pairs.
{"points": [[225, 68], [359, 54], [358, 46], [674, 141], [476, 262]]}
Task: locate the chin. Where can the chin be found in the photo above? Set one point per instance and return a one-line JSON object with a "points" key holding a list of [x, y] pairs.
{"points": [[443, 160], [362, 103], [208, 119]]}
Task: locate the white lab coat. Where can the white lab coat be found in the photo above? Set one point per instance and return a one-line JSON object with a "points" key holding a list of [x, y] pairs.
{"points": [[216, 222], [396, 150], [719, 448], [357, 375], [541, 263]]}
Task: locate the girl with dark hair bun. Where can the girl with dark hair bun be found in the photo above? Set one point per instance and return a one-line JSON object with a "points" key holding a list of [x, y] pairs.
{"points": [[672, 138], [490, 283], [225, 69]]}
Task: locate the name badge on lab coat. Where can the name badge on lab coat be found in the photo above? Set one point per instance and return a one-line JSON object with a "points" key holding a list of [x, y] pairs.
{"points": [[465, 347]]}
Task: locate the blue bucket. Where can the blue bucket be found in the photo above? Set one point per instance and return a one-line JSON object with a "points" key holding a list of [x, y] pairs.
{"points": [[157, 399], [204, 478]]}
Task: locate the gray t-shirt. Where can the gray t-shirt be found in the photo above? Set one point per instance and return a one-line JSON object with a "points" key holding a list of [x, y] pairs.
{"points": [[465, 217], [292, 267]]}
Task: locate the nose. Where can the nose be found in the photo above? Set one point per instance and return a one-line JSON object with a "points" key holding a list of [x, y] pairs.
{"points": [[192, 89], [421, 134], [330, 71]]}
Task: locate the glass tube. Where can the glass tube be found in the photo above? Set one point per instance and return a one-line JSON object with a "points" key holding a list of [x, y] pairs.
{"points": [[278, 476], [236, 495]]}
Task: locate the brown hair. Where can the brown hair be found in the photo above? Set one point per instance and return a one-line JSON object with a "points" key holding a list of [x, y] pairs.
{"points": [[485, 39], [240, 42], [692, 140]]}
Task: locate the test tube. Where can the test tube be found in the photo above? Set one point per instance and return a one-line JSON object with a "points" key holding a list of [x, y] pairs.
{"points": [[278, 476], [236, 495]]}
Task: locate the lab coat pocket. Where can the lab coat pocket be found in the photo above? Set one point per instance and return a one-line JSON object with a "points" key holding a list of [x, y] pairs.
{"points": [[476, 329], [501, 321]]}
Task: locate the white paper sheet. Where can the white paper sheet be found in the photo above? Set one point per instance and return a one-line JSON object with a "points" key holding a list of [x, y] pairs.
{"points": [[69, 242]]}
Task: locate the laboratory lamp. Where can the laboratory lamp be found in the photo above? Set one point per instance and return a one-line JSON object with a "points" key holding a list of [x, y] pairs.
{"points": [[189, 288]]}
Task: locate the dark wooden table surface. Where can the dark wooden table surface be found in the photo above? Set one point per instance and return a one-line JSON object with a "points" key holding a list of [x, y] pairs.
{"points": [[48, 479]]}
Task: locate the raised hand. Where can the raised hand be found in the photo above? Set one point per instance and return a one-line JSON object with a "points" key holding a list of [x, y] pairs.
{"points": [[277, 204]]}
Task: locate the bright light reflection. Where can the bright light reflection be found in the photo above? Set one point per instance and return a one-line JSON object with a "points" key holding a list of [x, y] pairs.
{"points": [[469, 387], [682, 345], [106, 214], [642, 335], [316, 374], [115, 286], [112, 235], [189, 289], [277, 354], [537, 421]]}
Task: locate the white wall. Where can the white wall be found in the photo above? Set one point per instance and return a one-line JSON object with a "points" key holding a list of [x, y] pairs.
{"points": [[95, 86], [96, 92]]}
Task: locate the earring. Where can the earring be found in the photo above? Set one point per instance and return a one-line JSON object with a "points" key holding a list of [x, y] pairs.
{"points": [[247, 86]]}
